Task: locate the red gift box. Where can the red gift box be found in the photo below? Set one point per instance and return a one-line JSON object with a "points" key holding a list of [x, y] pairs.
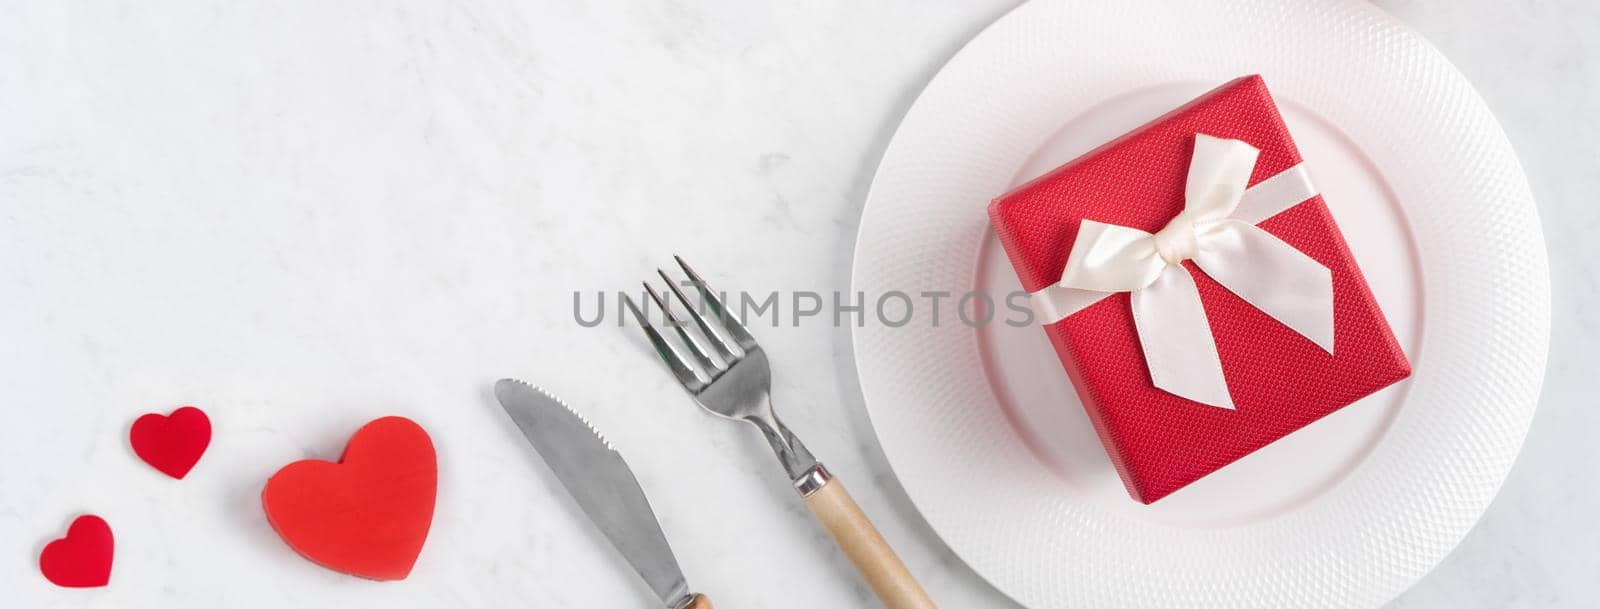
{"points": [[1279, 380]]}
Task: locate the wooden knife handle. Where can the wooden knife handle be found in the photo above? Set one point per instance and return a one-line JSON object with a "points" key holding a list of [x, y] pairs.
{"points": [[698, 602], [832, 506]]}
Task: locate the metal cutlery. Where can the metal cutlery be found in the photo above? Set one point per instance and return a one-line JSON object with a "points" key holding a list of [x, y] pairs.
{"points": [[597, 477], [728, 375]]}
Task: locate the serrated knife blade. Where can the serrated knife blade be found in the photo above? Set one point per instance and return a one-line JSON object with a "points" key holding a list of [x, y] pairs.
{"points": [[595, 474]]}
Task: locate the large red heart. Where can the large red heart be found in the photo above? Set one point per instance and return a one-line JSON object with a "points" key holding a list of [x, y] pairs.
{"points": [[172, 443], [82, 559], [366, 515]]}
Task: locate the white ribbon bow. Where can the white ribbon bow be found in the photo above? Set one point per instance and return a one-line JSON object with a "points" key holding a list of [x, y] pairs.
{"points": [[1271, 275]]}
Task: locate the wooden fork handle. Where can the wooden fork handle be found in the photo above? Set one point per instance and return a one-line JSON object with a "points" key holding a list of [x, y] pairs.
{"points": [[832, 506], [698, 602]]}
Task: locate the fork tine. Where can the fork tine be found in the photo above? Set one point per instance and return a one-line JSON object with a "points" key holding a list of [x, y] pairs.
{"points": [[723, 347], [700, 356], [729, 322], [666, 351]]}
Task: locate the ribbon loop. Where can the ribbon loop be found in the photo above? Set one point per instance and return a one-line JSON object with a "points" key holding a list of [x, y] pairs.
{"points": [[1218, 173], [1115, 259], [1170, 318]]}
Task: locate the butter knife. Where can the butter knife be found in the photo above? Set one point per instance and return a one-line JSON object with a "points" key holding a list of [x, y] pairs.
{"points": [[596, 476]]}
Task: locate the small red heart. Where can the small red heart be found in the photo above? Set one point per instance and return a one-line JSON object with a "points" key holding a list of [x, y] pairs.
{"points": [[366, 515], [172, 443], [82, 559]]}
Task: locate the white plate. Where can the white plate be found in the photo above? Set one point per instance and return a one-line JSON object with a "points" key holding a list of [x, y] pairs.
{"points": [[981, 425]]}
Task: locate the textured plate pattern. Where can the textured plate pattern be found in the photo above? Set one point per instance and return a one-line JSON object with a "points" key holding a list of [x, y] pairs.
{"points": [[1477, 372]]}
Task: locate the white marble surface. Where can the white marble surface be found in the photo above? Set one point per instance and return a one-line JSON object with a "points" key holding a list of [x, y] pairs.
{"points": [[302, 216]]}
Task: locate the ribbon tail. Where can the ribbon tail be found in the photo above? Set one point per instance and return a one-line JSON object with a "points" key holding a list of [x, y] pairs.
{"points": [[1272, 276], [1176, 339]]}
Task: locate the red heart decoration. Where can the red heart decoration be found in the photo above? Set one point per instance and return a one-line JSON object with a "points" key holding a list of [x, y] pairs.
{"points": [[172, 443], [82, 559], [366, 515]]}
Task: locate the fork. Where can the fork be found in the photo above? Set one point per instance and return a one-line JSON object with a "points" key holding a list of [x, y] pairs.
{"points": [[737, 385]]}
